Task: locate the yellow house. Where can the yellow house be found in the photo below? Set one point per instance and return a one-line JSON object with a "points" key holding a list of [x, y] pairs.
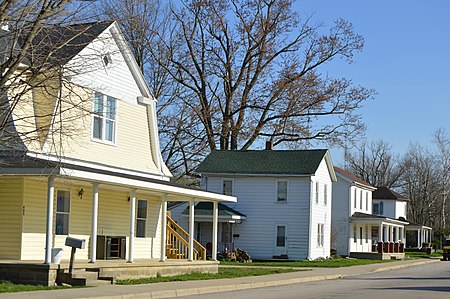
{"points": [[85, 161]]}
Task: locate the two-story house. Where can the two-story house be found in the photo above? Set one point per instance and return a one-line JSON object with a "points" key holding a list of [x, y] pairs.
{"points": [[94, 170], [285, 196], [387, 202], [356, 230]]}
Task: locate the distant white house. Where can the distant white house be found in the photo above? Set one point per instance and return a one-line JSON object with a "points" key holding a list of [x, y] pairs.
{"points": [[356, 230], [284, 195], [391, 204]]}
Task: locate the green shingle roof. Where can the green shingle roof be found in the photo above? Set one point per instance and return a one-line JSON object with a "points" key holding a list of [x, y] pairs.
{"points": [[205, 209], [287, 162]]}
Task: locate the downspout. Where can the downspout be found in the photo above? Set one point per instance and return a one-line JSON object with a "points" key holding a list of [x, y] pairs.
{"points": [[154, 135]]}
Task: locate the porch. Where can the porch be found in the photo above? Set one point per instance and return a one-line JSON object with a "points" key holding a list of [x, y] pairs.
{"points": [[376, 237], [102, 272]]}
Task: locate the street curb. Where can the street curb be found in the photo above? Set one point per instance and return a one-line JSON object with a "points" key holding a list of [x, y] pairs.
{"points": [[246, 286]]}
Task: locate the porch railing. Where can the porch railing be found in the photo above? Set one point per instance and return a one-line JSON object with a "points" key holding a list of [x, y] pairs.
{"points": [[388, 247], [177, 246]]}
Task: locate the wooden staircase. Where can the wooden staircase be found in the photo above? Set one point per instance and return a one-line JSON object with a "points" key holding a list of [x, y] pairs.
{"points": [[177, 243]]}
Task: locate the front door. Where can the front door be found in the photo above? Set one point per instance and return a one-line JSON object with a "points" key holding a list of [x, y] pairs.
{"points": [[280, 240]]}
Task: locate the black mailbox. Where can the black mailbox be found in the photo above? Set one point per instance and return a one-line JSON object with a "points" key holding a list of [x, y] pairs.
{"points": [[75, 243]]}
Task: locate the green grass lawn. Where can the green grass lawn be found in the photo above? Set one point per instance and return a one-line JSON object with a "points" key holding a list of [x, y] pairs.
{"points": [[7, 287], [332, 263], [223, 273], [423, 254]]}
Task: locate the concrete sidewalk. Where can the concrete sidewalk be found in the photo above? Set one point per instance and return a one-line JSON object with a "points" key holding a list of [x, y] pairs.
{"points": [[183, 288]]}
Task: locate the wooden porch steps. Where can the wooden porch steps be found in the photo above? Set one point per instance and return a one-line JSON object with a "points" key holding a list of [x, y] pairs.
{"points": [[177, 243]]}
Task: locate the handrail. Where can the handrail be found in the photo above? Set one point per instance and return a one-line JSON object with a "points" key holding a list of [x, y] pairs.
{"points": [[175, 238], [181, 234]]}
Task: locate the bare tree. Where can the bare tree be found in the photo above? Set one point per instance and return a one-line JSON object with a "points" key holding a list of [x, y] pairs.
{"points": [[251, 71], [421, 183], [376, 164], [442, 141], [38, 39]]}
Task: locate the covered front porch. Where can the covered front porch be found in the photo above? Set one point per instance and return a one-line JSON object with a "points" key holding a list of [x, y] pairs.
{"points": [[376, 237], [121, 217], [417, 235]]}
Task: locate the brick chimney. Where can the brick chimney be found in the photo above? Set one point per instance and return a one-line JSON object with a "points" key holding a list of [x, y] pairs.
{"points": [[269, 145]]}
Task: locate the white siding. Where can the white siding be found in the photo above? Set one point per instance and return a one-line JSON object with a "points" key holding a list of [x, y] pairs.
{"points": [[400, 209], [88, 70], [321, 213], [257, 200], [340, 216]]}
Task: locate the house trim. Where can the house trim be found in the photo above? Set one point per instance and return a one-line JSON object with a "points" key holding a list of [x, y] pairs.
{"points": [[94, 165]]}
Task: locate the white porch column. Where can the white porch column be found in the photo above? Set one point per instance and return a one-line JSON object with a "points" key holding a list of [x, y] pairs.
{"points": [[380, 233], [94, 222], [214, 234], [49, 223], [163, 228], [132, 220], [191, 231], [391, 233]]}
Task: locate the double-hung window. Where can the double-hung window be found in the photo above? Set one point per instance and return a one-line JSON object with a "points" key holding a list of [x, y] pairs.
{"points": [[227, 187], [361, 199], [282, 191], [104, 121], [320, 235], [62, 212], [141, 221], [325, 194], [317, 192]]}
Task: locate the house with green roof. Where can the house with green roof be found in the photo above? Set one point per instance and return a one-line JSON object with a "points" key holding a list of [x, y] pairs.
{"points": [[285, 196]]}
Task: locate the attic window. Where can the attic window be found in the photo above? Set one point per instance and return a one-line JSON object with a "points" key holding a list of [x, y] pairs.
{"points": [[107, 59]]}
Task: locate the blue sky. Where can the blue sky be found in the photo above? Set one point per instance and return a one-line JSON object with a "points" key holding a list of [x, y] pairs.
{"points": [[406, 59]]}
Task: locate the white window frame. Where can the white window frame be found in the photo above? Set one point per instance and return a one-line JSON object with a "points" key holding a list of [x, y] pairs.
{"points": [[232, 186], [325, 194], [63, 213], [355, 199], [277, 191], [317, 187], [320, 234], [103, 119], [141, 218]]}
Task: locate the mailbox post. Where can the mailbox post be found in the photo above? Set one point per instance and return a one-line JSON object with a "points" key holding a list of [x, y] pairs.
{"points": [[74, 243]]}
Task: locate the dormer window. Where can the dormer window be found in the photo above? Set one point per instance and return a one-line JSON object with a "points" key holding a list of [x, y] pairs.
{"points": [[104, 121]]}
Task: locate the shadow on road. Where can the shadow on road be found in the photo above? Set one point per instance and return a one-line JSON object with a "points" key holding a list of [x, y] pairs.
{"points": [[418, 288]]}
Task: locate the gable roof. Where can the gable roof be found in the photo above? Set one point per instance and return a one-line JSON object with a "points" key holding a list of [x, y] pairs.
{"points": [[387, 194], [263, 162], [351, 177]]}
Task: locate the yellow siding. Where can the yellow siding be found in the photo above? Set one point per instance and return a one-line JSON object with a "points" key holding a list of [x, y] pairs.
{"points": [[10, 217], [113, 219], [132, 147]]}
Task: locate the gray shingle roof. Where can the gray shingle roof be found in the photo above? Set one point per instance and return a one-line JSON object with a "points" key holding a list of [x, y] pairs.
{"points": [[53, 45], [386, 193], [286, 162]]}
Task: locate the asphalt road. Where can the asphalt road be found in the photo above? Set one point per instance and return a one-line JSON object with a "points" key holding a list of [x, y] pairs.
{"points": [[426, 281]]}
